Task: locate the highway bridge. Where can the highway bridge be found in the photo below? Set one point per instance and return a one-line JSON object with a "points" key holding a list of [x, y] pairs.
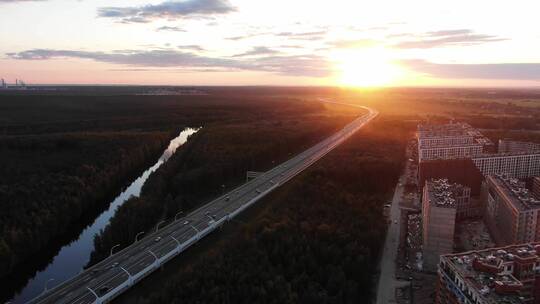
{"points": [[109, 278]]}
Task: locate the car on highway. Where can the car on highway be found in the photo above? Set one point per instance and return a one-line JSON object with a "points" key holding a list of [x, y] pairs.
{"points": [[157, 239], [114, 264], [186, 222], [227, 199], [258, 191]]}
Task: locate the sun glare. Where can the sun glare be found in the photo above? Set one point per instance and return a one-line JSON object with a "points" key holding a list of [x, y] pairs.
{"points": [[366, 68]]}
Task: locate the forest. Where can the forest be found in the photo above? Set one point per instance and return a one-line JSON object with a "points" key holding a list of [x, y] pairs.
{"points": [[65, 156], [317, 241], [217, 159], [49, 182]]}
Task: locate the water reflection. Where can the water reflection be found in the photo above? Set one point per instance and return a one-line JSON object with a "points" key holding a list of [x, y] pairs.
{"points": [[71, 258]]}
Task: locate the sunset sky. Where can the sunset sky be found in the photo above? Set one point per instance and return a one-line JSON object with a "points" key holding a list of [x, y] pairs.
{"points": [[278, 42]]}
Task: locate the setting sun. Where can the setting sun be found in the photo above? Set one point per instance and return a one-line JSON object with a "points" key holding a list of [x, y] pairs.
{"points": [[366, 68]]}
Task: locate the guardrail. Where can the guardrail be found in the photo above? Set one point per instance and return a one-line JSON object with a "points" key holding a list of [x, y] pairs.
{"points": [[133, 279]]}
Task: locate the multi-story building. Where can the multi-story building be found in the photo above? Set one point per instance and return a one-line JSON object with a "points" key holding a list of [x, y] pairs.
{"points": [[442, 130], [440, 204], [448, 152], [513, 146], [461, 170], [506, 275], [536, 187], [521, 165], [512, 213], [454, 140], [438, 141]]}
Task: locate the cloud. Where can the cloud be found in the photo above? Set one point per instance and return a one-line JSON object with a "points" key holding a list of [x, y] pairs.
{"points": [[507, 71], [298, 65], [449, 33], [151, 58], [354, 43], [171, 10], [247, 36], [317, 35], [191, 47], [13, 1], [460, 37], [170, 29], [257, 51]]}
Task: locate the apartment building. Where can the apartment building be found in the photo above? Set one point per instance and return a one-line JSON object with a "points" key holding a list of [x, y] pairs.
{"points": [[520, 165], [536, 187], [512, 213], [513, 146], [440, 204], [504, 275], [447, 141]]}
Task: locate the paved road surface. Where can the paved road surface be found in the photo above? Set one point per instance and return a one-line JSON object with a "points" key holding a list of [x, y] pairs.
{"points": [[138, 258], [387, 281]]}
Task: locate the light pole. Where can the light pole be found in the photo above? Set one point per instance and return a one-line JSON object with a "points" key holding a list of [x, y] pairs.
{"points": [[222, 189], [179, 213], [47, 284], [112, 249], [137, 236], [157, 226]]}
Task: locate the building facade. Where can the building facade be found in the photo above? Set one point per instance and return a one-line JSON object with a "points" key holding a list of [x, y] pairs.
{"points": [[512, 213], [462, 171], [505, 275], [513, 146], [449, 152], [536, 187], [447, 141], [515, 165], [440, 203]]}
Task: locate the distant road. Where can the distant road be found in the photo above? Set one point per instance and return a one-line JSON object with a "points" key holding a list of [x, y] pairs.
{"points": [[388, 283], [112, 276]]}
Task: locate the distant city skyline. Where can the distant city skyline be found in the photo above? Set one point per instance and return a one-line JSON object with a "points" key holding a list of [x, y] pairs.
{"points": [[241, 42]]}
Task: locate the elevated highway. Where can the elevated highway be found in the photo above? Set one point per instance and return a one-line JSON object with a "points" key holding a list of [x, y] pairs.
{"points": [[109, 278]]}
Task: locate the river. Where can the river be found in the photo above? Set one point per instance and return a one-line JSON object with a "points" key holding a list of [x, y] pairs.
{"points": [[72, 257]]}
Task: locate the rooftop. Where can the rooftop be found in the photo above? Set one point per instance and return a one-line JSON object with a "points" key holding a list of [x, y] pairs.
{"points": [[490, 271], [457, 129], [515, 191], [442, 193]]}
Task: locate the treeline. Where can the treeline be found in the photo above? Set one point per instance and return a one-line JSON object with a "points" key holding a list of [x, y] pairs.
{"points": [[318, 241], [217, 159], [63, 157], [49, 182]]}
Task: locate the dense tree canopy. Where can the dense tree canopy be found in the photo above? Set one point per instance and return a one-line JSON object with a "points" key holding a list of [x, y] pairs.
{"points": [[317, 242]]}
